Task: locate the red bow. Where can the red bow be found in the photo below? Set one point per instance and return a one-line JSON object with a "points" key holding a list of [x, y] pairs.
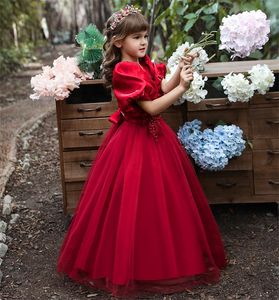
{"points": [[116, 117]]}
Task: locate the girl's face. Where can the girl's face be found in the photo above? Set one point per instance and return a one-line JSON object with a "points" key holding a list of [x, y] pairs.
{"points": [[134, 46]]}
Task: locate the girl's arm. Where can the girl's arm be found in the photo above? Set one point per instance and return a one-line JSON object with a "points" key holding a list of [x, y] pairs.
{"points": [[167, 86], [160, 104]]}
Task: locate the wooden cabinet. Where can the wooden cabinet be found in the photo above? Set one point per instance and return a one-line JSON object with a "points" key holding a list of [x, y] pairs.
{"points": [[254, 176]]}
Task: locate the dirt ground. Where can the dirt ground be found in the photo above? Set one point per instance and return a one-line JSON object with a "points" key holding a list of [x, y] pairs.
{"points": [[250, 234]]}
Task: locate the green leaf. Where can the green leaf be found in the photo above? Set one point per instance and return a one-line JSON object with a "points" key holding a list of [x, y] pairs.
{"points": [[190, 24], [220, 122], [249, 142], [217, 84], [190, 16], [212, 9], [209, 21], [162, 16], [257, 54], [224, 58]]}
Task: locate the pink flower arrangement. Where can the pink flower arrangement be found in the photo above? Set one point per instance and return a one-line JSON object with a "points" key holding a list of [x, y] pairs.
{"points": [[58, 81], [245, 32]]}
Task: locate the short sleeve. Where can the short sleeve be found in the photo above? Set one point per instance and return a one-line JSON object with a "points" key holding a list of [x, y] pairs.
{"points": [[128, 82], [161, 70]]}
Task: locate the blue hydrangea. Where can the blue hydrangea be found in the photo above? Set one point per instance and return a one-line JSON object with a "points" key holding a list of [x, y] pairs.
{"points": [[211, 149]]}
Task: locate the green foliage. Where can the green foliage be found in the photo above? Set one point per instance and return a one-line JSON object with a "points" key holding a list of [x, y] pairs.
{"points": [[178, 21], [22, 17], [90, 57]]}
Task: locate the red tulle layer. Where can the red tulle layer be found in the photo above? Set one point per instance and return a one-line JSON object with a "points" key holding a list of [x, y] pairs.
{"points": [[143, 223]]}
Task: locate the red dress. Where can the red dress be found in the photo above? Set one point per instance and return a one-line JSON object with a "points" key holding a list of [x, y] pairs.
{"points": [[143, 223]]}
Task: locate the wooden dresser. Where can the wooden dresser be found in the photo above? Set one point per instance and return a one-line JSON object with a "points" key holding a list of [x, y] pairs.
{"points": [[253, 177]]}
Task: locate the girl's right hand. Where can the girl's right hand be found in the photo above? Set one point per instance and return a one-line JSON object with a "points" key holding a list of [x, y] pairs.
{"points": [[186, 76]]}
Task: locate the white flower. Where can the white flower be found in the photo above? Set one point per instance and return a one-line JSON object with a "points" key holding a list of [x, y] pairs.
{"points": [[195, 93], [262, 78], [237, 87], [198, 62], [245, 32]]}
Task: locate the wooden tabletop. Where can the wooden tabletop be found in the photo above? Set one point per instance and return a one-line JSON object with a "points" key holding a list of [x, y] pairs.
{"points": [[222, 68]]}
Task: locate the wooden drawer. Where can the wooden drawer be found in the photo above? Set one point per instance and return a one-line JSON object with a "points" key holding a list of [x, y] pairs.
{"points": [[227, 187], [264, 122], [235, 116], [77, 164], [73, 193], [87, 110], [267, 182], [242, 162], [80, 133], [215, 104], [270, 99], [266, 154]]}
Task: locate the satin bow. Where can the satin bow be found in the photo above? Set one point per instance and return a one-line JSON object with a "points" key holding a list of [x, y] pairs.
{"points": [[116, 117]]}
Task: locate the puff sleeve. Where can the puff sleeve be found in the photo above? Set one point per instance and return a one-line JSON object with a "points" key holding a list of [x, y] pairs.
{"points": [[128, 82]]}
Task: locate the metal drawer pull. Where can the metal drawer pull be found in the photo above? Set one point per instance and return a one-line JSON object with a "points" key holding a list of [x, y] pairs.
{"points": [[226, 185], [272, 122], [82, 133], [272, 152], [81, 109], [84, 164], [273, 182], [268, 97], [210, 105]]}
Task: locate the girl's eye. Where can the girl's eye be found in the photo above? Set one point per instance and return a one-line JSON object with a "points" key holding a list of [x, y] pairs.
{"points": [[146, 36]]}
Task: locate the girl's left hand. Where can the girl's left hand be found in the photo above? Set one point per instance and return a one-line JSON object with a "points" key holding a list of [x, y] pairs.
{"points": [[186, 60]]}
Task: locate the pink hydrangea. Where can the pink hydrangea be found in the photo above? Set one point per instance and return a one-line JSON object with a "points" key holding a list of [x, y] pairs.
{"points": [[245, 32], [59, 80]]}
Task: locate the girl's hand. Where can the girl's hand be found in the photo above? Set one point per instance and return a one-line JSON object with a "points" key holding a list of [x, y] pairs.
{"points": [[186, 76], [187, 60]]}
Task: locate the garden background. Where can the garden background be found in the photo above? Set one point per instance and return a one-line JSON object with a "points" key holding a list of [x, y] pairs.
{"points": [[34, 33]]}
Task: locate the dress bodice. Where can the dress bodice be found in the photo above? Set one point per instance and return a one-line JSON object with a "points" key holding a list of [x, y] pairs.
{"points": [[134, 81]]}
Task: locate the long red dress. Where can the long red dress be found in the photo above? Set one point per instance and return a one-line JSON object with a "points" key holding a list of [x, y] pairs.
{"points": [[143, 223]]}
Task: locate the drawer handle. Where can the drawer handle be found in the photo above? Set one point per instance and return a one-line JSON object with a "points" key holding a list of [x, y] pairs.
{"points": [[84, 164], [272, 122], [273, 182], [81, 109], [82, 133], [268, 97], [211, 105], [272, 152], [226, 185]]}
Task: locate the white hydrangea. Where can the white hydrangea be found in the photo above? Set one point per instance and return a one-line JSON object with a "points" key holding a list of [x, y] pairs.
{"points": [[237, 87], [195, 93], [198, 62], [262, 78]]}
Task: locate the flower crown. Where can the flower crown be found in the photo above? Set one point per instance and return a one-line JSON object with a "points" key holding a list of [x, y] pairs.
{"points": [[120, 15]]}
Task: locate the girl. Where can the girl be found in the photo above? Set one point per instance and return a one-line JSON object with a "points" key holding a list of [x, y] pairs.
{"points": [[143, 223]]}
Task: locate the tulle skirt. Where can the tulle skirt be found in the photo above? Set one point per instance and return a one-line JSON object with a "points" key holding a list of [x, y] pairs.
{"points": [[142, 224]]}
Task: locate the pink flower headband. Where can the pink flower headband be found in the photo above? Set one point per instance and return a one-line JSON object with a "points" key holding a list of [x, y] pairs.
{"points": [[124, 12]]}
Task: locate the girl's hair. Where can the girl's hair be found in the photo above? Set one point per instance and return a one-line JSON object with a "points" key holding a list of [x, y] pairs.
{"points": [[132, 23]]}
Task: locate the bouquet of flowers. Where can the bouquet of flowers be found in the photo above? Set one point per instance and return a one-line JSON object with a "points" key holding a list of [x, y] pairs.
{"points": [[211, 149], [196, 92], [58, 81], [243, 33], [241, 88]]}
